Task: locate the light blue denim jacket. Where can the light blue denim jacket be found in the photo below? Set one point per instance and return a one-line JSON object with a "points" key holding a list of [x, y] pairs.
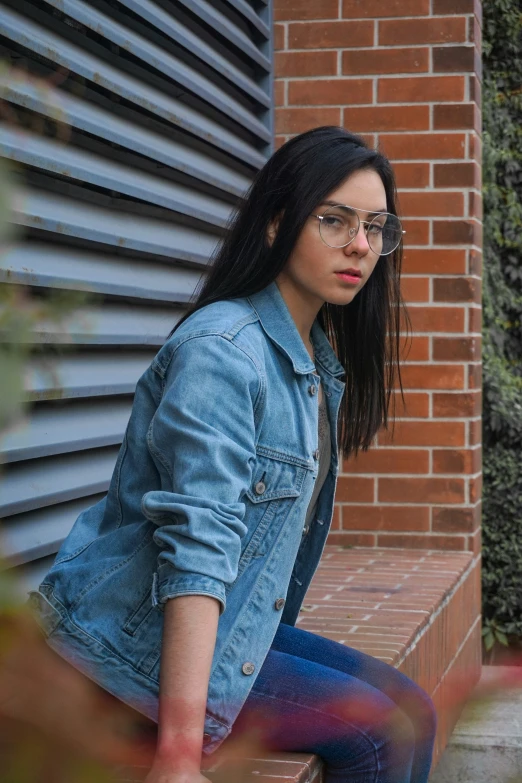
{"points": [[208, 496]]}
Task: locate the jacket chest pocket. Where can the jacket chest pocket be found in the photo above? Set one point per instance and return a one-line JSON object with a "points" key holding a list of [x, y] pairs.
{"points": [[277, 481]]}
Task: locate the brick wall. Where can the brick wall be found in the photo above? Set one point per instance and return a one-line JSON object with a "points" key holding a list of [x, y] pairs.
{"points": [[406, 75]]}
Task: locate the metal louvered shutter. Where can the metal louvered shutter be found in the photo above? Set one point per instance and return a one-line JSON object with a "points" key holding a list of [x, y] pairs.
{"points": [[137, 125]]}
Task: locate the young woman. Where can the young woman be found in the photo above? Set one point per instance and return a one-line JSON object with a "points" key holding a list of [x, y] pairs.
{"points": [[196, 563]]}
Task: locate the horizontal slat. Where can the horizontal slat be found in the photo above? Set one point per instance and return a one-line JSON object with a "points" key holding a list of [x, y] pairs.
{"points": [[153, 56], [246, 10], [211, 56], [76, 164], [104, 125], [221, 24], [38, 264], [58, 50], [50, 480], [74, 427], [85, 375], [68, 217], [107, 325], [38, 534], [29, 576]]}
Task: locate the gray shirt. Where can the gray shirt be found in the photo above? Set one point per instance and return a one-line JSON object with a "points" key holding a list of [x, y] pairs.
{"points": [[325, 453]]}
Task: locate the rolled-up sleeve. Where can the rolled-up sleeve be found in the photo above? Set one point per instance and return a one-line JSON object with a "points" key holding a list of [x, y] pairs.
{"points": [[202, 439]]}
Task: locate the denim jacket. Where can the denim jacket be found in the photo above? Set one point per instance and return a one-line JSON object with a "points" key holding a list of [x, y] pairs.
{"points": [[208, 497]]}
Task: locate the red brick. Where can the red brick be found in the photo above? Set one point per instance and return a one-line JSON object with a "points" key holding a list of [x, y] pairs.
{"points": [[415, 349], [387, 118], [279, 93], [412, 175], [475, 489], [421, 490], [475, 90], [465, 116], [448, 59], [336, 518], [475, 319], [279, 37], [426, 433], [357, 9], [475, 432], [432, 204], [321, 92], [416, 405], [475, 542], [433, 376], [351, 539], [305, 64], [457, 289], [422, 31], [424, 146], [422, 89], [417, 231], [447, 405], [379, 61], [475, 205], [350, 491], [453, 6], [299, 120], [456, 461], [457, 232], [279, 141], [303, 9], [456, 349], [457, 175], [433, 261], [385, 518], [475, 262], [475, 376], [475, 147], [421, 541], [388, 461], [335, 35], [437, 319], [415, 289], [455, 520]]}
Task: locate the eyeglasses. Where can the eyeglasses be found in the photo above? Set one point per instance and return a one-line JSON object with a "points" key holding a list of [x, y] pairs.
{"points": [[339, 225]]}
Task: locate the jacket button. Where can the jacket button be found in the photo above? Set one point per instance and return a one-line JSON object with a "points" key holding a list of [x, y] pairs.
{"points": [[260, 487], [312, 390], [305, 530], [279, 604], [206, 739], [248, 668], [316, 454]]}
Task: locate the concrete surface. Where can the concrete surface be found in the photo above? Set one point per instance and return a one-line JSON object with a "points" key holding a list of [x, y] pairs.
{"points": [[486, 745]]}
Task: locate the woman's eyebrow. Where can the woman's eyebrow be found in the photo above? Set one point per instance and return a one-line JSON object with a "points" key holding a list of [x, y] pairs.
{"points": [[336, 204]]}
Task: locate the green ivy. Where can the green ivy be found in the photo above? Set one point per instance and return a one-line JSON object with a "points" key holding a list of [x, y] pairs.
{"points": [[502, 436]]}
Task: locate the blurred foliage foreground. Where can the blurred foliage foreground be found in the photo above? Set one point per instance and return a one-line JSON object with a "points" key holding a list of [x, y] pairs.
{"points": [[502, 333]]}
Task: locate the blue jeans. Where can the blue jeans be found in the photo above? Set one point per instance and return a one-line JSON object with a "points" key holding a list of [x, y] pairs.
{"points": [[367, 721]]}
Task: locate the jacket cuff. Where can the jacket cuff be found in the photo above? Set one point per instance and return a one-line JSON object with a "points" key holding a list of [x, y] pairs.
{"points": [[172, 583]]}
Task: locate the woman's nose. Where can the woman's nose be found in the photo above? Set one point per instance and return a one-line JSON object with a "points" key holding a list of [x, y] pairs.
{"points": [[359, 243]]}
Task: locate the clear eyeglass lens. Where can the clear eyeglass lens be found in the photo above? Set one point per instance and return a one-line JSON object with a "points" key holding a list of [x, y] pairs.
{"points": [[340, 226]]}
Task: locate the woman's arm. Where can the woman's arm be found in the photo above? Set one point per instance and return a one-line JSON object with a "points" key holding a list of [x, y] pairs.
{"points": [[189, 636]]}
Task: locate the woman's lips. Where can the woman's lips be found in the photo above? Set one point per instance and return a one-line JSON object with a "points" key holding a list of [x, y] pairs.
{"points": [[349, 277]]}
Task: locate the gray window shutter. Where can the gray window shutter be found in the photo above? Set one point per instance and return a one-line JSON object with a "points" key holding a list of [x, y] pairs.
{"points": [[137, 127]]}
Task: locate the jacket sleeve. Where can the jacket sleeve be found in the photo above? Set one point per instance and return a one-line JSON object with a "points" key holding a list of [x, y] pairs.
{"points": [[202, 438]]}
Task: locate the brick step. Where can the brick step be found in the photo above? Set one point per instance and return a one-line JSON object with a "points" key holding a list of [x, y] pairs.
{"points": [[416, 610]]}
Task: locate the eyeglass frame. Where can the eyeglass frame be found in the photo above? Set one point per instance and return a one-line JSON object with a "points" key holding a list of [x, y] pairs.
{"points": [[361, 222]]}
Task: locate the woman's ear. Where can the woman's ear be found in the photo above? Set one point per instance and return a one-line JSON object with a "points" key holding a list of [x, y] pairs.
{"points": [[273, 228]]}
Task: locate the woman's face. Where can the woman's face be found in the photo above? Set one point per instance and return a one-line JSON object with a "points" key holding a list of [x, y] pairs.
{"points": [[314, 270]]}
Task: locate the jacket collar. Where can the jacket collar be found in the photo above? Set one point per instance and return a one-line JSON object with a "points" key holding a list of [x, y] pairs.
{"points": [[280, 327]]}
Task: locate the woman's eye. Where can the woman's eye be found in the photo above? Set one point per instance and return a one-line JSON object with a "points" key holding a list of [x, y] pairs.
{"points": [[332, 221], [376, 229]]}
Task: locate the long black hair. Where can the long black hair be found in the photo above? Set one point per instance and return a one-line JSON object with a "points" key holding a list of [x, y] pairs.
{"points": [[365, 333]]}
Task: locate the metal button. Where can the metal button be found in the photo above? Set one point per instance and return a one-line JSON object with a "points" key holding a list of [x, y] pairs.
{"points": [[248, 668], [316, 454], [206, 739], [312, 390], [260, 487], [279, 604], [305, 529]]}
